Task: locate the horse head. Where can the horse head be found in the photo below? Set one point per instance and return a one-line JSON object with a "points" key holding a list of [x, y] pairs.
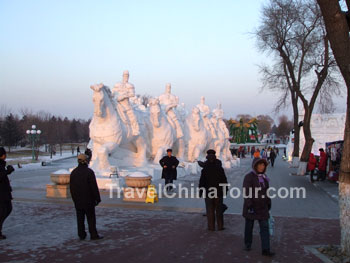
{"points": [[98, 100], [196, 117], [155, 112]]}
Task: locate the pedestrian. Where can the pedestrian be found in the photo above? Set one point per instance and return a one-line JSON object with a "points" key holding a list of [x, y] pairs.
{"points": [[257, 154], [311, 166], [169, 173], [86, 196], [78, 150], [212, 176], [252, 152], [257, 205], [5, 190], [322, 166], [263, 154], [272, 157], [268, 153], [88, 153]]}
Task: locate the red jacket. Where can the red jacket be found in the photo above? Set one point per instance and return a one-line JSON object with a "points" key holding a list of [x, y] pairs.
{"points": [[312, 162], [323, 162]]}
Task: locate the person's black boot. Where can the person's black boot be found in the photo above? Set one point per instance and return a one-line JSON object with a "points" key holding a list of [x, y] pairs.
{"points": [[268, 253], [247, 247], [2, 237], [96, 238]]}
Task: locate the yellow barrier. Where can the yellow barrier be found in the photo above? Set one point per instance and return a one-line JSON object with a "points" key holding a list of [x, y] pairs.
{"points": [[151, 194]]}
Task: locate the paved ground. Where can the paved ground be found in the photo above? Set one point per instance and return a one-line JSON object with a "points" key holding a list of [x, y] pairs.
{"points": [[47, 233], [173, 230]]}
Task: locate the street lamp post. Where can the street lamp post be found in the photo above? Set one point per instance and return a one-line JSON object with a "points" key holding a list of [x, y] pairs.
{"points": [[34, 136]]}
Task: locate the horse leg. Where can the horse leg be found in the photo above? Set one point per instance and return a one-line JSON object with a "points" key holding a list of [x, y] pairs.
{"points": [[159, 155], [190, 152], [141, 152], [196, 153], [103, 154], [181, 149]]}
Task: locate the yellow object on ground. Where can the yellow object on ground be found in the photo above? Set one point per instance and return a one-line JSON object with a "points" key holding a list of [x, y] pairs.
{"points": [[151, 194]]}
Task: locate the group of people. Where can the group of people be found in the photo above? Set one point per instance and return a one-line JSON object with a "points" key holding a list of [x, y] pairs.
{"points": [[213, 180], [268, 154], [85, 195], [321, 165]]}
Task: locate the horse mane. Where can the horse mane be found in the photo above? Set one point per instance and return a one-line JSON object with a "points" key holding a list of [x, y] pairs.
{"points": [[108, 92]]}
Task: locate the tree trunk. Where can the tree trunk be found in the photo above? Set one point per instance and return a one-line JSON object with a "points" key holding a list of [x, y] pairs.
{"points": [[296, 149], [338, 35], [344, 187], [309, 141]]}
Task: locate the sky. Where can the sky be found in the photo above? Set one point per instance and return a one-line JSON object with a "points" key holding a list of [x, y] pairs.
{"points": [[52, 51]]}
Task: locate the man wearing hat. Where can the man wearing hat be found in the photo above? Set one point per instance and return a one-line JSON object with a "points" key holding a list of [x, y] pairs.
{"points": [[5, 190], [257, 206], [169, 164], [212, 177], [86, 196]]}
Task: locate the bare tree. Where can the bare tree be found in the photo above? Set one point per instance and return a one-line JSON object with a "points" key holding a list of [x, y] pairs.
{"points": [[244, 117], [265, 123], [294, 33], [337, 26]]}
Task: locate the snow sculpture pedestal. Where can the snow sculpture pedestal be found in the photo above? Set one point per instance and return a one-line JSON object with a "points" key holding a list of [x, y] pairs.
{"points": [[60, 186], [137, 184], [109, 181]]}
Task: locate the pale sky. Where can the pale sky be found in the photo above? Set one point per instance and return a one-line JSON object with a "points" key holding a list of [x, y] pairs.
{"points": [[52, 51]]}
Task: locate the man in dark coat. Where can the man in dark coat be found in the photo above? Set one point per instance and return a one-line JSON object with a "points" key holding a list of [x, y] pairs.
{"points": [[169, 173], [256, 207], [5, 190], [272, 157], [212, 176], [322, 166], [86, 196]]}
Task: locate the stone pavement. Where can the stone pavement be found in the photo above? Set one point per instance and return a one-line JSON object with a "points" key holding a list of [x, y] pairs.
{"points": [[330, 188], [43, 232]]}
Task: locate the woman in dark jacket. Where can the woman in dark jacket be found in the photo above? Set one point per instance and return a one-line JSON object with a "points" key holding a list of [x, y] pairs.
{"points": [[5, 190], [256, 207], [212, 176]]}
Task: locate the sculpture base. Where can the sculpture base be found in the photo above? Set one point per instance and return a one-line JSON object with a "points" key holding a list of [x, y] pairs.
{"points": [[135, 194], [57, 191], [106, 183]]}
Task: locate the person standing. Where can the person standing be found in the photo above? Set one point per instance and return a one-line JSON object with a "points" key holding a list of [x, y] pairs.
{"points": [[212, 176], [257, 154], [5, 190], [268, 155], [257, 206], [322, 166], [169, 173], [272, 157], [86, 196], [263, 154], [78, 150], [311, 165], [252, 151], [88, 153]]}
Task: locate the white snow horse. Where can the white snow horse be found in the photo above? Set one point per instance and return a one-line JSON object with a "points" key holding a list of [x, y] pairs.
{"points": [[108, 132], [162, 134], [196, 136]]}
